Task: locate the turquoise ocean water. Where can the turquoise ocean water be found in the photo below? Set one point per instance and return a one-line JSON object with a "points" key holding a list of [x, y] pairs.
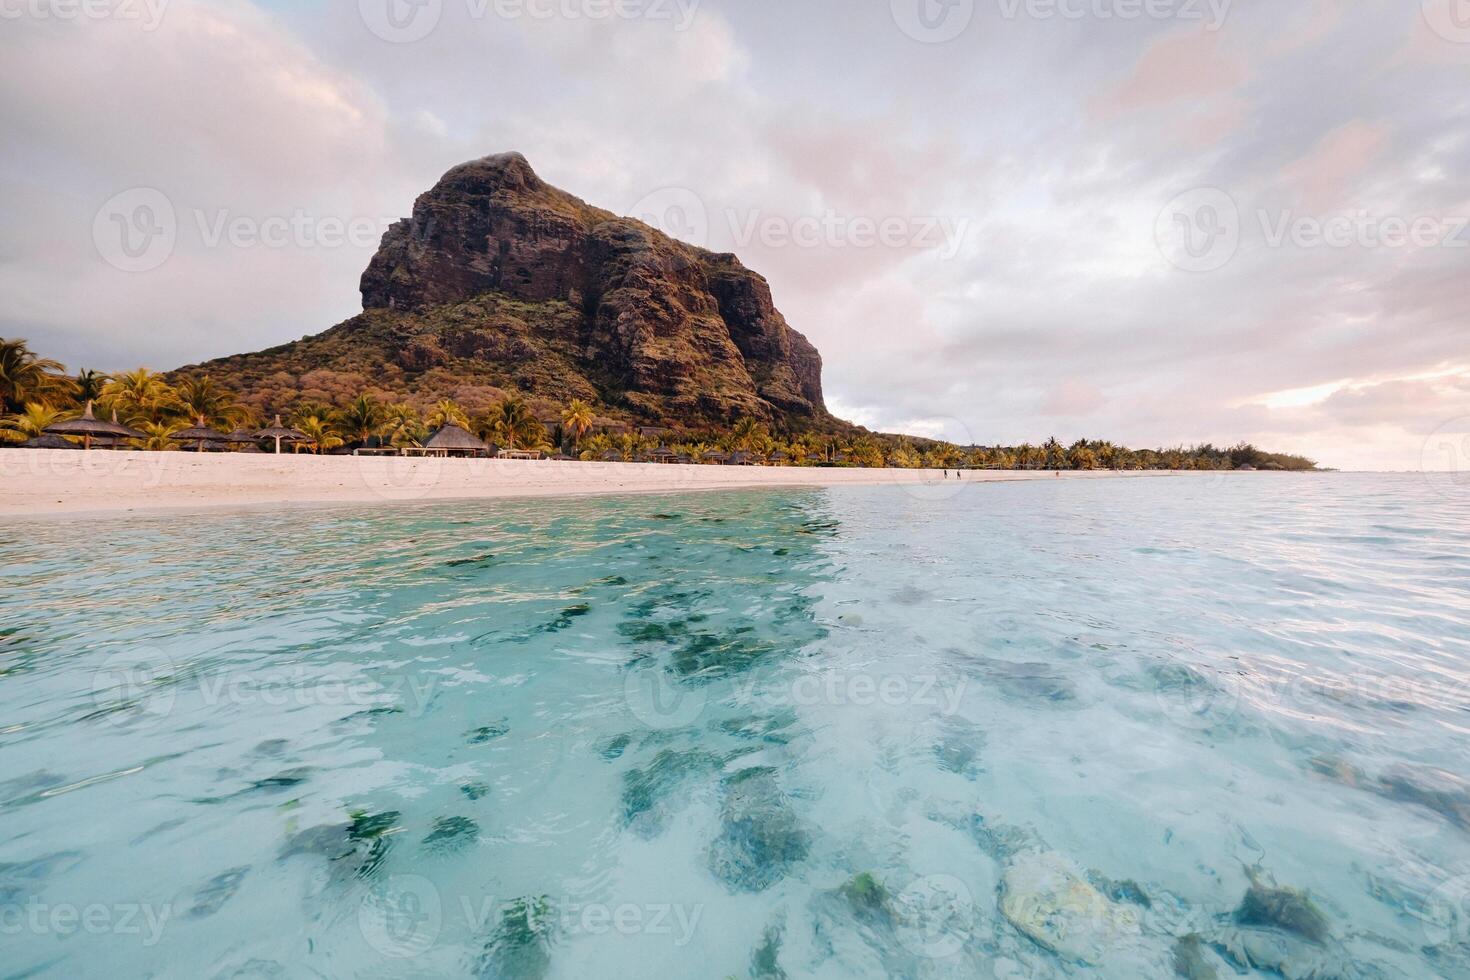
{"points": [[1134, 729]]}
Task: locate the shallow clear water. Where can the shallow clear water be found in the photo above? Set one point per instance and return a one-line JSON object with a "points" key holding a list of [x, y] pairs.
{"points": [[1028, 730]]}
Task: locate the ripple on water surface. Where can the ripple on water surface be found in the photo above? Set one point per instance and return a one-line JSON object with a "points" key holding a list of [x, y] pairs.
{"points": [[1129, 729]]}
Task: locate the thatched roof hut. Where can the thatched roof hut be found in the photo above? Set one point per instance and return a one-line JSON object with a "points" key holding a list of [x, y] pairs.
{"points": [[452, 440], [742, 458], [715, 457], [241, 438], [88, 426], [281, 434], [48, 441], [204, 438], [611, 456]]}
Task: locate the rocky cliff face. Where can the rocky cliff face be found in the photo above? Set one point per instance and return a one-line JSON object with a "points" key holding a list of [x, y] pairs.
{"points": [[500, 280]]}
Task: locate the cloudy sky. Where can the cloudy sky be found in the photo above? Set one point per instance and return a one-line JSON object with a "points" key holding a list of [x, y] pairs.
{"points": [[1155, 221]]}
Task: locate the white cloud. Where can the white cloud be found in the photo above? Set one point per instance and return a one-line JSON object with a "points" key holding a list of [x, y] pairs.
{"points": [[1057, 141]]}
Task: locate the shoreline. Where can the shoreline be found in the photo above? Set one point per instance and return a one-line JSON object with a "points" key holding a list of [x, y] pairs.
{"points": [[101, 483]]}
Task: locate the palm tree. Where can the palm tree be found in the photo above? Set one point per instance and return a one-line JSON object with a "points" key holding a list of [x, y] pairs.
{"points": [[158, 436], [201, 397], [30, 423], [446, 412], [90, 384], [1056, 454], [596, 446], [512, 423], [24, 377], [319, 434], [748, 434], [578, 419], [141, 396], [401, 424], [362, 419]]}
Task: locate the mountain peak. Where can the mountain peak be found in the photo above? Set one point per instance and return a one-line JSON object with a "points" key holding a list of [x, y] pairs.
{"points": [[499, 279]]}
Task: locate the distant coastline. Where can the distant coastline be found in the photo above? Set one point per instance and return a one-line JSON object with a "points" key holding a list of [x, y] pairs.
{"points": [[42, 482]]}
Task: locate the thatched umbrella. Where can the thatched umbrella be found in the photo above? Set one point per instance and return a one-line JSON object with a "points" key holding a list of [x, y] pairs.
{"points": [[126, 431], [89, 426], [662, 455], [716, 457], [242, 438], [201, 435], [281, 434], [453, 439], [611, 456], [48, 442]]}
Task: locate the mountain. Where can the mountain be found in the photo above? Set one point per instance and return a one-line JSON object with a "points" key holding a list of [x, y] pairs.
{"points": [[501, 282]]}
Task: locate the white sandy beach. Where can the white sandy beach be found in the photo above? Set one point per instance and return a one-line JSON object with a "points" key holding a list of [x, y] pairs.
{"points": [[38, 482]]}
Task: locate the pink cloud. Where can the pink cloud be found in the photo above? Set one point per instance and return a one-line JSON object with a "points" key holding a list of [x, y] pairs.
{"points": [[1188, 66], [1073, 398], [1335, 163]]}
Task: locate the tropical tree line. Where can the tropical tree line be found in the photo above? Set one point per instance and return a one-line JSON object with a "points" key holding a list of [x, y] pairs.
{"points": [[37, 392]]}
